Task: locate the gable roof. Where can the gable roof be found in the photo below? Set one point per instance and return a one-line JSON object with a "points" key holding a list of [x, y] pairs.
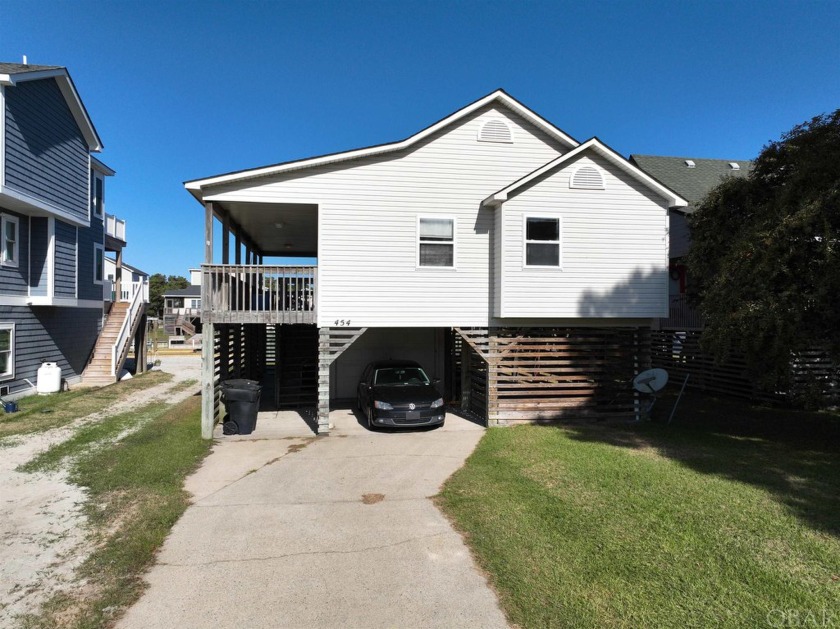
{"points": [[674, 200], [691, 183], [14, 73], [499, 96], [127, 267]]}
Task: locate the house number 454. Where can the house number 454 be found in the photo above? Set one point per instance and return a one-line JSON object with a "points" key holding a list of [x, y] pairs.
{"points": [[342, 322]]}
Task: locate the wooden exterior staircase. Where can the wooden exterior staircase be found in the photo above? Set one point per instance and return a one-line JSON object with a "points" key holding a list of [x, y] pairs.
{"points": [[119, 330], [171, 323]]}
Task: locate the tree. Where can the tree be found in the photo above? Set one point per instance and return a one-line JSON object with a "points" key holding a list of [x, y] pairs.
{"points": [[765, 253], [159, 284]]}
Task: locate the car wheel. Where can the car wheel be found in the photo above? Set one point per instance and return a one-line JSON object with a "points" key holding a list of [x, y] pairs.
{"points": [[370, 419]]}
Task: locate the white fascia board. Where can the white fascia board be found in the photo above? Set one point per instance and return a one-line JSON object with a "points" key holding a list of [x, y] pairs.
{"points": [[674, 200], [196, 185], [68, 90], [30, 206]]}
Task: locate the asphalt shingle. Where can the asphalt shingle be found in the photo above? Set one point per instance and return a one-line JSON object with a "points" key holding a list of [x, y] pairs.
{"points": [[691, 183], [19, 68]]}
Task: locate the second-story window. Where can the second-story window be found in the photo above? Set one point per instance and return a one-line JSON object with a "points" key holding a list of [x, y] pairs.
{"points": [[97, 194], [542, 241], [436, 242], [10, 233], [10, 227]]}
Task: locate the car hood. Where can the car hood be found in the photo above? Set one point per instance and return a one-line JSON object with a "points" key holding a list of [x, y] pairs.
{"points": [[405, 394]]}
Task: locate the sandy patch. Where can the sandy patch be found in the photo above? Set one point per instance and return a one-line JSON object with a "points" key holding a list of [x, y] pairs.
{"points": [[42, 527]]}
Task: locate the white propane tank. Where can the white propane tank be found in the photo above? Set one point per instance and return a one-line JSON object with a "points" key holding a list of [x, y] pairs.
{"points": [[49, 378]]}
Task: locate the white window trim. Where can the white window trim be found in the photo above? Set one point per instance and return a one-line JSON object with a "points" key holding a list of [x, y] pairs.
{"points": [[94, 200], [558, 242], [5, 219], [11, 374], [98, 247], [454, 266]]}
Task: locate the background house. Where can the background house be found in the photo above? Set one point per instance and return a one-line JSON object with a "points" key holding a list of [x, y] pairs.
{"points": [[182, 308], [55, 232], [676, 343], [520, 266], [692, 178], [133, 279]]}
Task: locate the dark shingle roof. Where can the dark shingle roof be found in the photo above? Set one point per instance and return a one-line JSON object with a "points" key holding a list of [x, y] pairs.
{"points": [[189, 291], [691, 183], [19, 68]]}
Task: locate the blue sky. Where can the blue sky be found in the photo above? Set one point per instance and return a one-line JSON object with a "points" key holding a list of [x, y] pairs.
{"points": [[182, 90]]}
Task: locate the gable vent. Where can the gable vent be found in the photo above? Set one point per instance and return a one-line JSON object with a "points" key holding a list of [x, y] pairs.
{"points": [[495, 131], [587, 177]]}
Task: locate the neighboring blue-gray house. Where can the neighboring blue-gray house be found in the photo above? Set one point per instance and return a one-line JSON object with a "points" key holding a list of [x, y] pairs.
{"points": [[54, 233]]}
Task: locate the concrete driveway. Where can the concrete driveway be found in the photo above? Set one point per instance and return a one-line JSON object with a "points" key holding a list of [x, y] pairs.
{"points": [[289, 530]]}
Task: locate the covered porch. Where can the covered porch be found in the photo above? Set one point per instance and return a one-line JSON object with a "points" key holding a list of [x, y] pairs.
{"points": [[259, 274]]}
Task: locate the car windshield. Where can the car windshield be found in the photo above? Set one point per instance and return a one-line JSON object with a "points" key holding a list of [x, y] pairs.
{"points": [[400, 376]]}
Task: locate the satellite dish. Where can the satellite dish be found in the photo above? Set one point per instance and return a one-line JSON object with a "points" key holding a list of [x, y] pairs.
{"points": [[650, 381]]}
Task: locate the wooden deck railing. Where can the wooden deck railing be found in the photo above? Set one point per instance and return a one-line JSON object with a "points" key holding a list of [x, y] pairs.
{"points": [[682, 316], [256, 293]]}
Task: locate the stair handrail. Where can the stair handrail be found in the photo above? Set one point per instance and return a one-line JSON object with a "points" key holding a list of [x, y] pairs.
{"points": [[128, 323]]}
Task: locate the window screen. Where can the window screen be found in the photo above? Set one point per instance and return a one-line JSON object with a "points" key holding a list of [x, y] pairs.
{"points": [[437, 242], [542, 241]]}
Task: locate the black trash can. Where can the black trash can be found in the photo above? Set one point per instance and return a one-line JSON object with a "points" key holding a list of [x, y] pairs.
{"points": [[242, 400]]}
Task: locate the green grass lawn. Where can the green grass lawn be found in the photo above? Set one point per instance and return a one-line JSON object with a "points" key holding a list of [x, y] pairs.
{"points": [[135, 489], [44, 412], [730, 517]]}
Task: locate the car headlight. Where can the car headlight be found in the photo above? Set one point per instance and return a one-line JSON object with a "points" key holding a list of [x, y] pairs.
{"points": [[383, 406], [437, 403]]}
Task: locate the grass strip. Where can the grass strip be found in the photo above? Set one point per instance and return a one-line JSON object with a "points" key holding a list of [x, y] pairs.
{"points": [[731, 519], [43, 412], [136, 496], [96, 434]]}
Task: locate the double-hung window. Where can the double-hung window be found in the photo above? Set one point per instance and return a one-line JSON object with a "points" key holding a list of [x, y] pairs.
{"points": [[10, 234], [542, 241], [436, 242], [7, 351]]}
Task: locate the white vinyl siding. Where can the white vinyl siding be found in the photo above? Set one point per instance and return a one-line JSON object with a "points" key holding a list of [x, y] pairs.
{"points": [[368, 209], [10, 234], [614, 246]]}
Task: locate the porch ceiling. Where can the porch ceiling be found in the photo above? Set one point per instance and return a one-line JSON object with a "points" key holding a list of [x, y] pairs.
{"points": [[277, 229]]}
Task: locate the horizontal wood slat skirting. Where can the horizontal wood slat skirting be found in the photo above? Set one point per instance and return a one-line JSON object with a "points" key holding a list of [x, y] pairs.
{"points": [[679, 352], [553, 373]]}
